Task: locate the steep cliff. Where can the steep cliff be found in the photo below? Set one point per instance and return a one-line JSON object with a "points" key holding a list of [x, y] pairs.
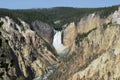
{"points": [[69, 34], [89, 22], [43, 30], [95, 54], [30, 53]]}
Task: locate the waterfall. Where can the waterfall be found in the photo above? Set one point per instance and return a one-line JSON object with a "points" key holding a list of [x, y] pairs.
{"points": [[61, 50], [57, 43]]}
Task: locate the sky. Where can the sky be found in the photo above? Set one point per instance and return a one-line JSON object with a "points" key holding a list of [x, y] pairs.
{"points": [[27, 4]]}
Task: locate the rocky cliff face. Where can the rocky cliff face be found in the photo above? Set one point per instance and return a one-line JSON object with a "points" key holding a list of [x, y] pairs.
{"points": [[100, 54], [95, 52], [30, 53], [44, 30], [89, 22], [69, 34]]}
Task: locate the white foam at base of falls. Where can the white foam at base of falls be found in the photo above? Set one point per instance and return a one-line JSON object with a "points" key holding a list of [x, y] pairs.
{"points": [[57, 43]]}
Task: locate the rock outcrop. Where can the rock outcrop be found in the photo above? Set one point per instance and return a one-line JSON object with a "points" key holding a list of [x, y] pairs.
{"points": [[29, 51], [43, 30], [6, 61], [69, 34], [88, 22], [116, 17]]}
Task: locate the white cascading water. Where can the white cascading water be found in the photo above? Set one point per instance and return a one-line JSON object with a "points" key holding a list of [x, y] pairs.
{"points": [[61, 50], [57, 43]]}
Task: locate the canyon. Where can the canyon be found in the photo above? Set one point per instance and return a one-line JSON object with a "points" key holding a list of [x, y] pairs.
{"points": [[88, 50]]}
